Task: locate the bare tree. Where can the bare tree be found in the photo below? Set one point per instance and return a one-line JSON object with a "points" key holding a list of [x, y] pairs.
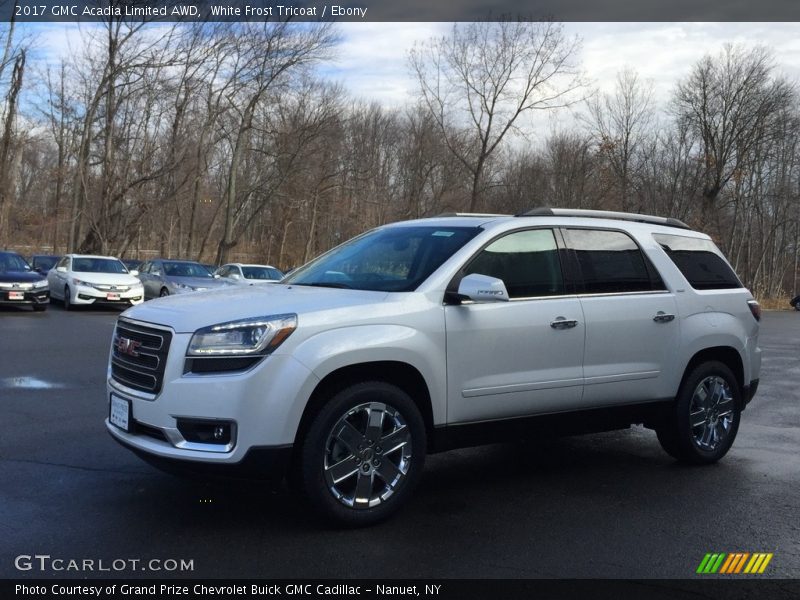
{"points": [[621, 122], [730, 101], [478, 81], [266, 53]]}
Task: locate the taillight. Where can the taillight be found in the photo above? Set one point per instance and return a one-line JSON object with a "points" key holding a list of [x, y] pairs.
{"points": [[755, 308]]}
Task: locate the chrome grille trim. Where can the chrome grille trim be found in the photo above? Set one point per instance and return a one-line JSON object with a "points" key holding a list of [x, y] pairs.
{"points": [[144, 371]]}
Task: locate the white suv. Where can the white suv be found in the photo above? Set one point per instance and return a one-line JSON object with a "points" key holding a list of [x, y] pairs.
{"points": [[433, 334]]}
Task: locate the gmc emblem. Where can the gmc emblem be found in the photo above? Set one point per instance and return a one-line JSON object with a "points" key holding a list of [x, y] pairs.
{"points": [[128, 346]]}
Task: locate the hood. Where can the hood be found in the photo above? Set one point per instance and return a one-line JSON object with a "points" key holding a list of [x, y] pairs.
{"points": [[204, 282], [106, 278], [20, 277], [186, 313]]}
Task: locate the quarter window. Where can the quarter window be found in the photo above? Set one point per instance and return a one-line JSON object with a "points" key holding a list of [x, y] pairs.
{"points": [[526, 261], [611, 262], [700, 261]]}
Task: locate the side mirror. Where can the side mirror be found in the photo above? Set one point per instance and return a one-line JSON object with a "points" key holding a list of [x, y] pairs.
{"points": [[216, 276], [236, 276], [133, 272], [482, 288], [61, 269]]}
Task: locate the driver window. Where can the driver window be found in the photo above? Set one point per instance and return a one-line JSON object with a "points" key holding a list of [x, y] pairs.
{"points": [[526, 261]]}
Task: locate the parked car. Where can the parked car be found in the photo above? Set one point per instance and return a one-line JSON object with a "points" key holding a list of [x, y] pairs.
{"points": [[240, 274], [162, 277], [42, 263], [428, 335], [81, 279], [795, 302], [20, 285], [132, 264]]}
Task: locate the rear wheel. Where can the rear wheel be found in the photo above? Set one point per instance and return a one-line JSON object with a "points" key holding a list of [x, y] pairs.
{"points": [[363, 454], [706, 417]]}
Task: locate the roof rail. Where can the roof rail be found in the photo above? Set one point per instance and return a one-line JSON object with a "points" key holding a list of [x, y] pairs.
{"points": [[479, 215], [604, 214]]}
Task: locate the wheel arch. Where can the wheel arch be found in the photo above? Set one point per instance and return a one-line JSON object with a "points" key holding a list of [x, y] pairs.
{"points": [[727, 355], [403, 375]]}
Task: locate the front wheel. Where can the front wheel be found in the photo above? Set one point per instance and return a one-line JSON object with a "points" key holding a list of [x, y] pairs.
{"points": [[164, 293], [363, 454], [706, 417], [67, 298]]}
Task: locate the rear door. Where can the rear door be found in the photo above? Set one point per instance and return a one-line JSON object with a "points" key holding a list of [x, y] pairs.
{"points": [[632, 329], [521, 357]]}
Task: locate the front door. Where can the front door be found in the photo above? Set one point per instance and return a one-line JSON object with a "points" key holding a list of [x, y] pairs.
{"points": [[524, 356]]}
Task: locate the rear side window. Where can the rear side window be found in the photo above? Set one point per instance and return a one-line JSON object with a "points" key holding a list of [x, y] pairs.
{"points": [[611, 262], [700, 262]]}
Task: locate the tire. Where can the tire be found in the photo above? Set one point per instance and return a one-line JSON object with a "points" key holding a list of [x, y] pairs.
{"points": [[706, 416], [164, 293], [67, 299], [346, 436]]}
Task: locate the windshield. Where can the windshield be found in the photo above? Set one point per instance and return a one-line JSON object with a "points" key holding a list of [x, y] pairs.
{"points": [[394, 259], [261, 273], [98, 265], [45, 263], [186, 269], [13, 262]]}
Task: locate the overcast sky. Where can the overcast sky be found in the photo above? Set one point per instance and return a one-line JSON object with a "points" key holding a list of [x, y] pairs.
{"points": [[371, 60]]}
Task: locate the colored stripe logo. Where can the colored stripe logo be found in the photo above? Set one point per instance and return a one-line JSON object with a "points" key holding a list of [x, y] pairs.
{"points": [[734, 563]]}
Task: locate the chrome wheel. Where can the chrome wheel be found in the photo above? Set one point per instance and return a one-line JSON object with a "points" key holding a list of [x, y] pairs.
{"points": [[711, 413], [367, 455]]}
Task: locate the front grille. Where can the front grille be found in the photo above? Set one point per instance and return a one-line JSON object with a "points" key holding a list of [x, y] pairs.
{"points": [[139, 356]]}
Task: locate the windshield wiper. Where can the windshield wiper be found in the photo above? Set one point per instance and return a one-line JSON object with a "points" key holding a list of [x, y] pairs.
{"points": [[329, 284]]}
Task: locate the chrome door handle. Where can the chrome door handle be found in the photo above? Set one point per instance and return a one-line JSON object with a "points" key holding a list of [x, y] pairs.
{"points": [[562, 323], [662, 317]]}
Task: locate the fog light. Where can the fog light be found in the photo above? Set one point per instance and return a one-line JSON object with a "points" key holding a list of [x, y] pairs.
{"points": [[206, 431]]}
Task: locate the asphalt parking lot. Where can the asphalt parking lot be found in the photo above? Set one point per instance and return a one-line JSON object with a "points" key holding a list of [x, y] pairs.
{"points": [[606, 505]]}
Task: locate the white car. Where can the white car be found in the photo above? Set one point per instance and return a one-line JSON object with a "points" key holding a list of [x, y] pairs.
{"points": [[82, 279], [428, 335], [241, 274]]}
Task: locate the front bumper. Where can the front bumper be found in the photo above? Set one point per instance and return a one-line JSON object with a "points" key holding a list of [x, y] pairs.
{"points": [[260, 407], [29, 297], [85, 295], [270, 463]]}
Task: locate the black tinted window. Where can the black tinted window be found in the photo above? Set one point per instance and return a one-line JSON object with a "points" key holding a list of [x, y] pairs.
{"points": [[526, 261], [610, 262], [700, 261]]}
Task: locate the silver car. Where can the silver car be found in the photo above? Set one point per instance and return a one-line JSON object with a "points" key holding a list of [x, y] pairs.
{"points": [[162, 277]]}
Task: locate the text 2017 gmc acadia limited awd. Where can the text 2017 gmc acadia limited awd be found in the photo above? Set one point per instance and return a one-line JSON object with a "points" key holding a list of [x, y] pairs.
{"points": [[439, 333]]}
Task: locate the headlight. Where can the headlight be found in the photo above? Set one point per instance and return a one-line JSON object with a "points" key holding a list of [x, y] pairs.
{"points": [[40, 284], [82, 282], [183, 286], [257, 336]]}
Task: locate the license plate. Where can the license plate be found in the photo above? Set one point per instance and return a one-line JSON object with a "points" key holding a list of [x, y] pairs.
{"points": [[112, 297], [120, 412], [16, 295]]}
